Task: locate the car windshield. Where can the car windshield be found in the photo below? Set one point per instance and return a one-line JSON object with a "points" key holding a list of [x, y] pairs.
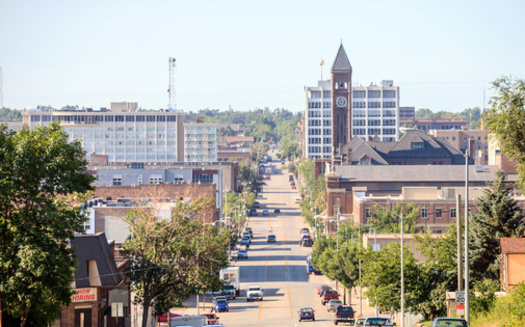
{"points": [[450, 322], [254, 289], [220, 301], [348, 310], [307, 310], [378, 321], [228, 287], [335, 302]]}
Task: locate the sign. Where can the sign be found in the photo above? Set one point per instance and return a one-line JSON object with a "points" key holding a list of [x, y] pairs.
{"points": [[84, 295], [460, 310], [460, 297]]}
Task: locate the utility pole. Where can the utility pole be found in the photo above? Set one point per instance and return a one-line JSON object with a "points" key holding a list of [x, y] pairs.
{"points": [[460, 259], [467, 297]]}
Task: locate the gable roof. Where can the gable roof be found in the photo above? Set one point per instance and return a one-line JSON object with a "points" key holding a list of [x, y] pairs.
{"points": [[512, 245], [341, 62], [95, 248]]}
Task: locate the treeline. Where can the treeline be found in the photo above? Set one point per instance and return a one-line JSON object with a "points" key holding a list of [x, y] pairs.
{"points": [[7, 114], [472, 115]]}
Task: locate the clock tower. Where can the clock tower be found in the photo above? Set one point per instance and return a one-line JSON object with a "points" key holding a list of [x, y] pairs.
{"points": [[341, 75]]}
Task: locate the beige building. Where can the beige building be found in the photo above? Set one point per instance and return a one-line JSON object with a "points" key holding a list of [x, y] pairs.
{"points": [[462, 139]]}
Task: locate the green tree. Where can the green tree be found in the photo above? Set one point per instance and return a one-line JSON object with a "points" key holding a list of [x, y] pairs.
{"points": [[505, 121], [41, 175], [381, 271], [172, 258], [499, 216], [383, 221]]}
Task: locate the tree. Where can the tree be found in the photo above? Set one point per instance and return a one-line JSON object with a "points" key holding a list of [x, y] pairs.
{"points": [[383, 221], [499, 216], [505, 121], [172, 258], [41, 175]]}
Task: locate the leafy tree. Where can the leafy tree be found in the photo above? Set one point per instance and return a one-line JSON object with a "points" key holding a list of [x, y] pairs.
{"points": [[7, 114], [381, 273], [505, 120], [172, 258], [499, 216], [41, 175], [383, 221]]}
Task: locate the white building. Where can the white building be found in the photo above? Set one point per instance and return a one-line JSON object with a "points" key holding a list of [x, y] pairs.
{"points": [[127, 136], [200, 142], [375, 113]]}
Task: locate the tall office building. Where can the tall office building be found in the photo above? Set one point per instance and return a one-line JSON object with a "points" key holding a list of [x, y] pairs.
{"points": [[336, 111], [127, 136]]}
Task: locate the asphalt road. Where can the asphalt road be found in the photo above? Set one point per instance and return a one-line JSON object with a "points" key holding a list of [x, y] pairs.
{"points": [[279, 268]]}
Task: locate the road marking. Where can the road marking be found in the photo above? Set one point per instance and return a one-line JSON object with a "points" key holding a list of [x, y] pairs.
{"points": [[287, 272], [291, 305], [265, 271]]}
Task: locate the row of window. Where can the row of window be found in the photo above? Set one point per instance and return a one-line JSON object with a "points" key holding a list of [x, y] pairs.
{"points": [[315, 104], [373, 113], [424, 213], [374, 94], [317, 149], [91, 119], [374, 131], [128, 157], [112, 143], [373, 122], [317, 122], [120, 129], [135, 150], [317, 140], [317, 131]]}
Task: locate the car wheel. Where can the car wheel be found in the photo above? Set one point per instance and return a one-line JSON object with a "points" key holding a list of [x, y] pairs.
{"points": [[335, 322], [313, 319]]}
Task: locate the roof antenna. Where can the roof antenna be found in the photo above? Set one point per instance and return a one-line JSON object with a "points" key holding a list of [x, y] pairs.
{"points": [[321, 63]]}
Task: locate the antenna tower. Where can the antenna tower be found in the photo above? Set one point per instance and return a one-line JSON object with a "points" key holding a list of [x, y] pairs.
{"points": [[1, 89], [171, 87]]}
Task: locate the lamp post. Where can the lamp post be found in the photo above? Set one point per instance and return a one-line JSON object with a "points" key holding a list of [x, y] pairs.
{"points": [[467, 297], [402, 324]]}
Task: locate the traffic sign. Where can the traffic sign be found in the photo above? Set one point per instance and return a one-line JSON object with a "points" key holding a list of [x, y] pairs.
{"points": [[460, 297]]}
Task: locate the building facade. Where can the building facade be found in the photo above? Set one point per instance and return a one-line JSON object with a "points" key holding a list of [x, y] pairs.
{"points": [[336, 110], [476, 141], [200, 142]]}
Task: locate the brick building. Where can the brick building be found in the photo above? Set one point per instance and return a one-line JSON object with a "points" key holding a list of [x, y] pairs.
{"points": [[512, 267], [476, 141]]}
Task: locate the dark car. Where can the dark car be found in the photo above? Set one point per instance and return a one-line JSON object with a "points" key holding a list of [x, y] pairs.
{"points": [[271, 238], [253, 213], [256, 205], [321, 288], [306, 313], [307, 242], [265, 213], [344, 314], [277, 211], [442, 322], [245, 240], [221, 305]]}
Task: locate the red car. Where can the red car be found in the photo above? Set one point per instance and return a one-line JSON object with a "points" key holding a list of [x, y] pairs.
{"points": [[329, 295], [211, 318], [322, 288]]}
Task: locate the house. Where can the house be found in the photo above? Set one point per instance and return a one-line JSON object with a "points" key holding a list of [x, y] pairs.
{"points": [[512, 265]]}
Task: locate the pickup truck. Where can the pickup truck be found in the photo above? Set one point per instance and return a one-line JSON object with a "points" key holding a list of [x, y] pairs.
{"points": [[378, 322], [344, 314], [254, 293], [329, 295]]}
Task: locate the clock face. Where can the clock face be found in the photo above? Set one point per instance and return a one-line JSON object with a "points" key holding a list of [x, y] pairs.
{"points": [[341, 102]]}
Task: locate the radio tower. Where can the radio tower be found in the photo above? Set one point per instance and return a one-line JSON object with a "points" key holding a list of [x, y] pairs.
{"points": [[1, 89], [171, 87]]}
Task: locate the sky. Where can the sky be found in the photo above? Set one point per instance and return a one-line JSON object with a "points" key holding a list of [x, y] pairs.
{"points": [[248, 54]]}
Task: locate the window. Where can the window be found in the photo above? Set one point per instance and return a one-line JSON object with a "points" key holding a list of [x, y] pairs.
{"points": [[368, 213], [130, 118], [155, 180], [417, 145], [119, 118], [359, 94], [424, 213], [374, 94], [374, 104], [359, 104], [439, 213], [117, 181], [171, 118], [109, 118], [161, 118], [453, 213]]}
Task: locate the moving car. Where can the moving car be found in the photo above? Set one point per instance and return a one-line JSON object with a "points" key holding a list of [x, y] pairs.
{"points": [[242, 254], [306, 240], [229, 291], [265, 213], [379, 321], [306, 313], [221, 305], [271, 238], [277, 211], [304, 230], [247, 234], [360, 321], [344, 314], [254, 293], [249, 230], [211, 318], [438, 322], [294, 187], [332, 305]]}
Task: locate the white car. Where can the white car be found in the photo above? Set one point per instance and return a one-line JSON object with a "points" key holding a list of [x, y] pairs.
{"points": [[254, 293], [333, 304]]}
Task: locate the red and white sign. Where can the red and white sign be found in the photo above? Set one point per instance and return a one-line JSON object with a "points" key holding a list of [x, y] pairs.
{"points": [[84, 295], [460, 309]]}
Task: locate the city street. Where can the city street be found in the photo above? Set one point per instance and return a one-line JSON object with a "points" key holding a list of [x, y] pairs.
{"points": [[279, 268]]}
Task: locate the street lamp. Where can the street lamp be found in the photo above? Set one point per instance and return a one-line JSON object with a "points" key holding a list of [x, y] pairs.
{"points": [[402, 259]]}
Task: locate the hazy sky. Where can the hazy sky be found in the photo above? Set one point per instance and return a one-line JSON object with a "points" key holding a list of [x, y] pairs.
{"points": [[249, 54]]}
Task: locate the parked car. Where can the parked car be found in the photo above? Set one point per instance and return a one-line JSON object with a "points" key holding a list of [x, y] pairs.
{"points": [[333, 304], [247, 234], [221, 305], [211, 318], [245, 240], [256, 205], [277, 211], [271, 238], [438, 322], [265, 213], [254, 293], [253, 212], [360, 321], [322, 287], [344, 314], [329, 295], [294, 187], [249, 230], [220, 297], [242, 254], [306, 241], [304, 230], [306, 313]]}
